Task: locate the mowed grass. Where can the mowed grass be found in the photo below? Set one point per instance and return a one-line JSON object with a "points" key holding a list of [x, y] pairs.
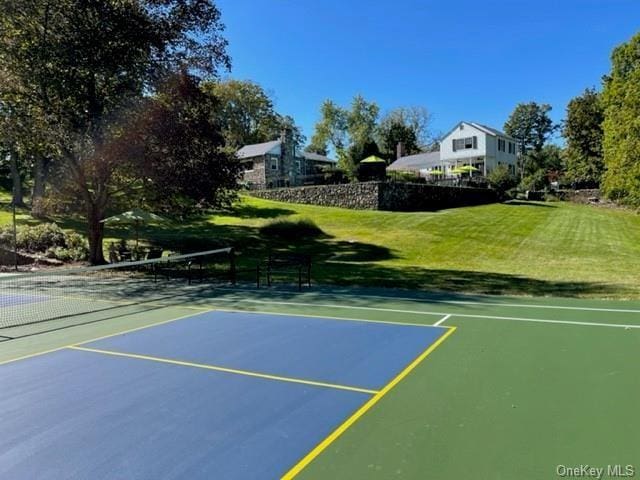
{"points": [[516, 248]]}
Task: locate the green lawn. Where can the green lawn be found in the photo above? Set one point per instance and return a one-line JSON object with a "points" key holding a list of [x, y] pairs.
{"points": [[519, 248]]}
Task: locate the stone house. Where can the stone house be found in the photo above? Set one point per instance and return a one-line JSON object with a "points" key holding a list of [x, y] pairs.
{"points": [[278, 164]]}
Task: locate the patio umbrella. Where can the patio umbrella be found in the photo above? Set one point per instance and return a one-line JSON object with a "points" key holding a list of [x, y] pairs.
{"points": [[373, 159], [468, 169], [135, 217], [436, 172]]}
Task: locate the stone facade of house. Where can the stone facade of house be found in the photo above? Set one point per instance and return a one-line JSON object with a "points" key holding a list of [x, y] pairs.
{"points": [[276, 164]]}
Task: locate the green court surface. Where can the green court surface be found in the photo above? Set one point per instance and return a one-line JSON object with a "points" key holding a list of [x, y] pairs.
{"points": [[521, 385]]}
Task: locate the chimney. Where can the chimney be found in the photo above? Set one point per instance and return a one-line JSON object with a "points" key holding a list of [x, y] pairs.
{"points": [[399, 150], [287, 142]]}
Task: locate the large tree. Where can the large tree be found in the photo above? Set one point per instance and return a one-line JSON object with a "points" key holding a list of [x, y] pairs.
{"points": [[409, 125], [583, 133], [182, 159], [247, 114], [621, 100], [86, 64], [531, 125], [350, 132]]}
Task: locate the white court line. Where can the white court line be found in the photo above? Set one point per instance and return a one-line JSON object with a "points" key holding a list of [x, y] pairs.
{"points": [[442, 320], [327, 317], [416, 312], [463, 302]]}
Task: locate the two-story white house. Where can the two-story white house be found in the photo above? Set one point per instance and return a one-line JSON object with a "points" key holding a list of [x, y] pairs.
{"points": [[482, 147]]}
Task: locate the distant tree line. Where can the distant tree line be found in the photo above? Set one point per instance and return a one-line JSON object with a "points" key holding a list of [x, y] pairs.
{"points": [[108, 105], [601, 133]]}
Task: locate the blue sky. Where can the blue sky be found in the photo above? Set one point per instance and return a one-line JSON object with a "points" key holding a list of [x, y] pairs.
{"points": [[463, 60]]}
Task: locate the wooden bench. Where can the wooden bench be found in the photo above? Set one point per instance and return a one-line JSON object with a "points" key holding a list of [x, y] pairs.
{"points": [[291, 262]]}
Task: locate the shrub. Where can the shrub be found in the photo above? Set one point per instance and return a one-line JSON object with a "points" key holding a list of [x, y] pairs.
{"points": [[501, 180], [291, 229], [535, 181], [47, 238]]}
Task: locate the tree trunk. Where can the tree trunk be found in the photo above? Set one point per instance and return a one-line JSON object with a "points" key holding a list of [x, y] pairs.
{"points": [[96, 234], [40, 171], [18, 199]]}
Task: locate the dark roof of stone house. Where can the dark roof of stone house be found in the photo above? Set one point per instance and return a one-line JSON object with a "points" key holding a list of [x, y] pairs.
{"points": [[257, 149], [317, 157], [260, 149]]}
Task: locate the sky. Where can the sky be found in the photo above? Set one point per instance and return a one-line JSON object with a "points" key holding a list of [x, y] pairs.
{"points": [[462, 60]]}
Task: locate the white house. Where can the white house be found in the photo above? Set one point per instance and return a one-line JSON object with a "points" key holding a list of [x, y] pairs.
{"points": [[470, 143]]}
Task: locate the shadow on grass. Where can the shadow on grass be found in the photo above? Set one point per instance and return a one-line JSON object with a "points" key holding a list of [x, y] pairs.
{"points": [[243, 210], [456, 281], [521, 203], [347, 263]]}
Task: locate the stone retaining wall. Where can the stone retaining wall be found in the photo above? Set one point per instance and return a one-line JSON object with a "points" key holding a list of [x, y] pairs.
{"points": [[391, 196]]}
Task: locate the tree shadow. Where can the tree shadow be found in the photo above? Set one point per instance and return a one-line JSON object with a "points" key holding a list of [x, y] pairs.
{"points": [[243, 210], [350, 263], [522, 203]]}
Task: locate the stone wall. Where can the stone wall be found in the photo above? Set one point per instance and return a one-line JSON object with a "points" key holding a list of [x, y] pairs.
{"points": [[580, 196], [352, 195], [405, 197], [416, 197]]}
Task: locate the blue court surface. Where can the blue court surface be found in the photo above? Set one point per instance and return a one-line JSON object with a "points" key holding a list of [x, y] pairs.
{"points": [[11, 300], [216, 395]]}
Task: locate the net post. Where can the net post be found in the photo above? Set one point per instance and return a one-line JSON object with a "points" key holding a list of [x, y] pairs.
{"points": [[258, 275], [232, 265]]}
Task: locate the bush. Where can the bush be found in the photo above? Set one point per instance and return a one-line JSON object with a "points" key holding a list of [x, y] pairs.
{"points": [[291, 229], [535, 181], [501, 180], [49, 239]]}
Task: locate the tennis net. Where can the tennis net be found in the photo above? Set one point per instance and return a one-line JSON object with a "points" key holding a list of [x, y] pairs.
{"points": [[62, 292]]}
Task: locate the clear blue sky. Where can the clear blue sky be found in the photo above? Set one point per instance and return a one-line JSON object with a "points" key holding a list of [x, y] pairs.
{"points": [[463, 60]]}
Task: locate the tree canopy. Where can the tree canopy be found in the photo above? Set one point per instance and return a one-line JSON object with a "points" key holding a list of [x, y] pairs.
{"points": [[83, 67], [621, 146], [247, 114], [583, 133]]}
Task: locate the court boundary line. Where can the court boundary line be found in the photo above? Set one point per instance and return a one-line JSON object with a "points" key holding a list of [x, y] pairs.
{"points": [[344, 426], [454, 302], [327, 317], [418, 312], [442, 320], [218, 368], [63, 347]]}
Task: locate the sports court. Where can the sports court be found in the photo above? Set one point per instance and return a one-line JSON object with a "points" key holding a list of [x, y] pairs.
{"points": [[112, 374]]}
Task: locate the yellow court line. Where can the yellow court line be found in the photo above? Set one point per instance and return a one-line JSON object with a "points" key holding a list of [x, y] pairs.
{"points": [[298, 467], [63, 347], [217, 368]]}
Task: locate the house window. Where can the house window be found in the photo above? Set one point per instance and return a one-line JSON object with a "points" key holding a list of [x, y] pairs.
{"points": [[502, 145], [298, 165], [465, 143], [274, 163], [512, 148], [247, 166]]}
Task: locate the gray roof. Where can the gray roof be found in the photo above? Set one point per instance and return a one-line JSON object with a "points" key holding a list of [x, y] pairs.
{"points": [[258, 149], [317, 157], [416, 162], [489, 130]]}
